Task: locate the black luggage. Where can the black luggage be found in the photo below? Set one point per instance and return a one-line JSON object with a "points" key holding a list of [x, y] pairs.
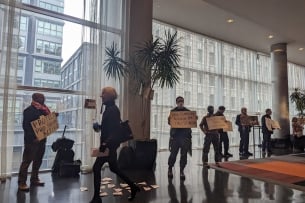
{"points": [[64, 164]]}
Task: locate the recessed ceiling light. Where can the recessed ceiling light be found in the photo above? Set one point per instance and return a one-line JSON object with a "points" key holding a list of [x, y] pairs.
{"points": [[270, 36], [301, 49], [230, 20]]}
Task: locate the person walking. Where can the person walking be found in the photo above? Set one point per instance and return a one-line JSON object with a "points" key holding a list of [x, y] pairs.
{"points": [[109, 129]]}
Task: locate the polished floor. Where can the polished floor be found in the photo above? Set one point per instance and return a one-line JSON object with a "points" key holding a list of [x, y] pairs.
{"points": [[201, 186]]}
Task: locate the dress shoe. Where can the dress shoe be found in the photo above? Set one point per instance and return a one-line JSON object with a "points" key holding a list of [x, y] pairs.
{"points": [[134, 190], [249, 153], [23, 187], [170, 173], [228, 154], [217, 164], [37, 183]]}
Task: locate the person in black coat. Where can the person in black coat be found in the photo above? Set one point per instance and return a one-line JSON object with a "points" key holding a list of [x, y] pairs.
{"points": [[180, 138], [33, 148], [244, 128], [266, 133], [110, 127], [223, 136]]}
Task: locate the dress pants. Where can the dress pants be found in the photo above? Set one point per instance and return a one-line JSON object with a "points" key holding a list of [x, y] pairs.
{"points": [[214, 139]]}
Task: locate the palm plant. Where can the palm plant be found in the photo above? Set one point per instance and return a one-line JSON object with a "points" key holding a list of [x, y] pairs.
{"points": [[153, 62], [298, 97]]}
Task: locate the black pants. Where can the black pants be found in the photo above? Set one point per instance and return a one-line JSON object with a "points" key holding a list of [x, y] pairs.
{"points": [[32, 153], [208, 139], [112, 160], [244, 140], [176, 143], [266, 142], [224, 139]]}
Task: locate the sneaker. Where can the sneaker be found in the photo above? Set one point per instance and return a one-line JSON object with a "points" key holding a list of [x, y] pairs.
{"points": [[170, 173], [37, 183], [23, 187]]}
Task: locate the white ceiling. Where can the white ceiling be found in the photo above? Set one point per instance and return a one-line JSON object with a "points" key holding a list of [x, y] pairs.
{"points": [[254, 21]]}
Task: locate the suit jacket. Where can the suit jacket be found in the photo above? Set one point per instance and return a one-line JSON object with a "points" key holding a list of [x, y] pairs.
{"points": [[238, 123]]}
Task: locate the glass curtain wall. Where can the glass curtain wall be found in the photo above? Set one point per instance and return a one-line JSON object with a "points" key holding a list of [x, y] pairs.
{"points": [[212, 73], [56, 48]]}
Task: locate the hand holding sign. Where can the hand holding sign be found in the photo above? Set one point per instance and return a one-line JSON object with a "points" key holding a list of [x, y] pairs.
{"points": [[45, 126]]}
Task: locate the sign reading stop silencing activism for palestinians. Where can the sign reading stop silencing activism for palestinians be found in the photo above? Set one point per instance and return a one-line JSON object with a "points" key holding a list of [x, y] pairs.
{"points": [[183, 119], [45, 125]]}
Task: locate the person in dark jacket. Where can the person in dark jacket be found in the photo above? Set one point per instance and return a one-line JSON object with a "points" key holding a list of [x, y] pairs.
{"points": [[211, 136], [224, 139], [110, 127], [180, 138], [266, 133], [33, 148], [244, 129]]}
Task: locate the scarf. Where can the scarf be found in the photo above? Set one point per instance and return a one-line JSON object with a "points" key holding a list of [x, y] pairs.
{"points": [[42, 107]]}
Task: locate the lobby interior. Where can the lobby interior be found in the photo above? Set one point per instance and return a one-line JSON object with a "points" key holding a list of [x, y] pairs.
{"points": [[258, 26]]}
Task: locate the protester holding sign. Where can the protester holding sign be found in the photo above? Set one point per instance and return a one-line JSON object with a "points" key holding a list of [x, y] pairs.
{"points": [[244, 127], [266, 133], [224, 139], [211, 136], [180, 138], [33, 147]]}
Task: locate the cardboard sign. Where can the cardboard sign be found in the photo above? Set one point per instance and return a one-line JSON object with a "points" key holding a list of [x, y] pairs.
{"points": [[183, 119], [45, 126], [271, 124], [229, 127], [90, 104], [219, 122], [249, 120]]}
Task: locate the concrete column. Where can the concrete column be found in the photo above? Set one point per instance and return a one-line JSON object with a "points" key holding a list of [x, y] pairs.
{"points": [[139, 29], [280, 102]]}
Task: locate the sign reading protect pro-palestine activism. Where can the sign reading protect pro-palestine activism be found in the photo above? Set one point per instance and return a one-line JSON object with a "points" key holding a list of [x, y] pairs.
{"points": [[183, 119], [45, 125]]}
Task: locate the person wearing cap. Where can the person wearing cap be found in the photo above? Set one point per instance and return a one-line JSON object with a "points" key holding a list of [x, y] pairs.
{"points": [[33, 148], [224, 139], [180, 138], [109, 129], [211, 136]]}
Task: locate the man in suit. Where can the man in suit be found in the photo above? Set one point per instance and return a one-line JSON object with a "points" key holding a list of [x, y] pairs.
{"points": [[266, 133]]}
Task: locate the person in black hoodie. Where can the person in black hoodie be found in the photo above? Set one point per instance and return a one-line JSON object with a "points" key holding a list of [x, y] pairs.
{"points": [[180, 138], [110, 129], [33, 148], [266, 133]]}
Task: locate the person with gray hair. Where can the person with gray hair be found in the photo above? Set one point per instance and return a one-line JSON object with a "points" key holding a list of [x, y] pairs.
{"points": [[109, 129]]}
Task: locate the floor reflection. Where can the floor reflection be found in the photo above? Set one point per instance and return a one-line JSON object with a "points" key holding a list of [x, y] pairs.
{"points": [[172, 193]]}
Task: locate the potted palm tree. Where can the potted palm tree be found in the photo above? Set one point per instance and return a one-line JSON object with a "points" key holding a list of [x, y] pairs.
{"points": [[153, 62], [298, 97]]}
